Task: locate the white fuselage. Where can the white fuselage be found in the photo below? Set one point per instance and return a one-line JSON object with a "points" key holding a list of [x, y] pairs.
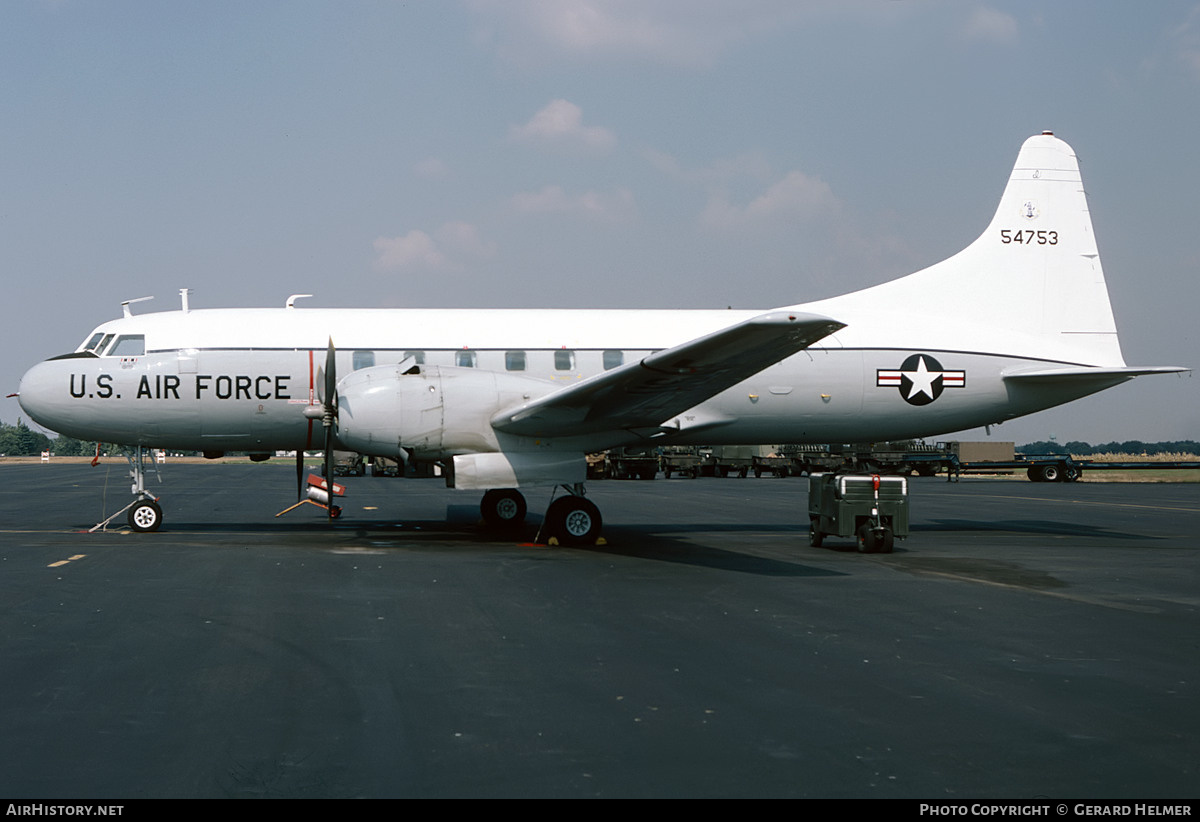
{"points": [[241, 379]]}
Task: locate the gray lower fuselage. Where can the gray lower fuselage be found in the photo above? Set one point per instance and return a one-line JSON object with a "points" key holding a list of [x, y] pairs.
{"points": [[263, 400]]}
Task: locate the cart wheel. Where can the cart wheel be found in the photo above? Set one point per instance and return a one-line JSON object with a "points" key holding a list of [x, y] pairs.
{"points": [[868, 542], [815, 537]]}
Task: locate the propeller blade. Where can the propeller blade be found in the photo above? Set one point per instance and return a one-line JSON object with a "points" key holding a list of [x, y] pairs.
{"points": [[330, 418], [329, 467], [330, 378]]}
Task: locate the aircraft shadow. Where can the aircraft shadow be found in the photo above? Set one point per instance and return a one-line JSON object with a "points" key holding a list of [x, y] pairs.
{"points": [[1046, 527], [461, 529]]}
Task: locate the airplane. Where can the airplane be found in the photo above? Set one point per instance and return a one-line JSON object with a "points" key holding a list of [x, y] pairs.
{"points": [[502, 400]]}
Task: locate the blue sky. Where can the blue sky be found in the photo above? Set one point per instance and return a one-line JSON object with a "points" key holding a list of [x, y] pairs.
{"points": [[582, 153]]}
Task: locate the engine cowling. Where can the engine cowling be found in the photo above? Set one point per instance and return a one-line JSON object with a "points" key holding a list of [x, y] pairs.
{"points": [[429, 412]]}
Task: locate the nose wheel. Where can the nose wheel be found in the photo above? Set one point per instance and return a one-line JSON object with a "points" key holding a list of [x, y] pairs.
{"points": [[145, 515]]}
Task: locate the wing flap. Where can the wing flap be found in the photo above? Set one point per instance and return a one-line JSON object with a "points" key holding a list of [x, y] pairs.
{"points": [[644, 394]]}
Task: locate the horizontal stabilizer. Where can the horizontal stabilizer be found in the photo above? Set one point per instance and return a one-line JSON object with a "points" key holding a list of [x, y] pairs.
{"points": [[1085, 374], [646, 393]]}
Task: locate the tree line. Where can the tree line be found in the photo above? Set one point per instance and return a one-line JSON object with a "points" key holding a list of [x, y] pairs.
{"points": [[21, 441]]}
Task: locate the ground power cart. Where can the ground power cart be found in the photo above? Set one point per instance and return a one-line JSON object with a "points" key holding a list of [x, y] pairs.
{"points": [[869, 508]]}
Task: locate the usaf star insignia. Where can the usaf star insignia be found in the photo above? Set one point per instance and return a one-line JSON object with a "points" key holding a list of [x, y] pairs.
{"points": [[920, 378]]}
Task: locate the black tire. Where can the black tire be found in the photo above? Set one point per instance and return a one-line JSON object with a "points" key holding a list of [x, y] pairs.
{"points": [[888, 541], [815, 537], [1071, 474], [868, 541], [573, 521], [145, 516], [503, 507], [1051, 473]]}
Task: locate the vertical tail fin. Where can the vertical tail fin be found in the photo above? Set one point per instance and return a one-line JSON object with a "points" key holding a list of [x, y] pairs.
{"points": [[1034, 273]]}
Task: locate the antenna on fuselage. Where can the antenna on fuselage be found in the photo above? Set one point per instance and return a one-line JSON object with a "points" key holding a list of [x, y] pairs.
{"points": [[125, 305], [183, 298], [291, 301]]}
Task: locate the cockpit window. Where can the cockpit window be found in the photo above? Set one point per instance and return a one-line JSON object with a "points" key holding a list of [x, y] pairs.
{"points": [[97, 342], [129, 345]]}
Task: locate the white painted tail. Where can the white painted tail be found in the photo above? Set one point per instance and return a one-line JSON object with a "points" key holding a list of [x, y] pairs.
{"points": [[1033, 279]]}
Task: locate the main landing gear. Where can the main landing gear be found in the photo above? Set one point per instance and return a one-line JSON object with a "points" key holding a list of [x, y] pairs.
{"points": [[572, 519]]}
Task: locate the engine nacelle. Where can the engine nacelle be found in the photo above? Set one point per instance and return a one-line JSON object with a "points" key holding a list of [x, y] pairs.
{"points": [[429, 412]]}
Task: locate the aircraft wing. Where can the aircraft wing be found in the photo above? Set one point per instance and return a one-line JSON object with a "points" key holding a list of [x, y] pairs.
{"points": [[647, 393]]}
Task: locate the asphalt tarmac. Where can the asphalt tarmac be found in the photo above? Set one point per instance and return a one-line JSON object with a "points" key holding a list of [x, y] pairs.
{"points": [[1026, 641]]}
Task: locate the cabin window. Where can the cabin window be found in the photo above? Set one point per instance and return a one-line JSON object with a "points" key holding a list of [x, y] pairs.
{"points": [[417, 356], [564, 360], [363, 359], [129, 345], [464, 358], [514, 360], [613, 358]]}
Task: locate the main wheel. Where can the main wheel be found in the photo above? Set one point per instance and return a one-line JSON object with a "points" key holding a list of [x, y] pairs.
{"points": [[573, 520], [145, 515], [503, 507]]}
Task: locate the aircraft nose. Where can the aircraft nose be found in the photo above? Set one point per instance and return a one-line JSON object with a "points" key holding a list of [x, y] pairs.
{"points": [[38, 392]]}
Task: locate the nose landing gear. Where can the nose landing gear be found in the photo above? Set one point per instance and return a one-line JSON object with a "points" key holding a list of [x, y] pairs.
{"points": [[145, 514]]}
